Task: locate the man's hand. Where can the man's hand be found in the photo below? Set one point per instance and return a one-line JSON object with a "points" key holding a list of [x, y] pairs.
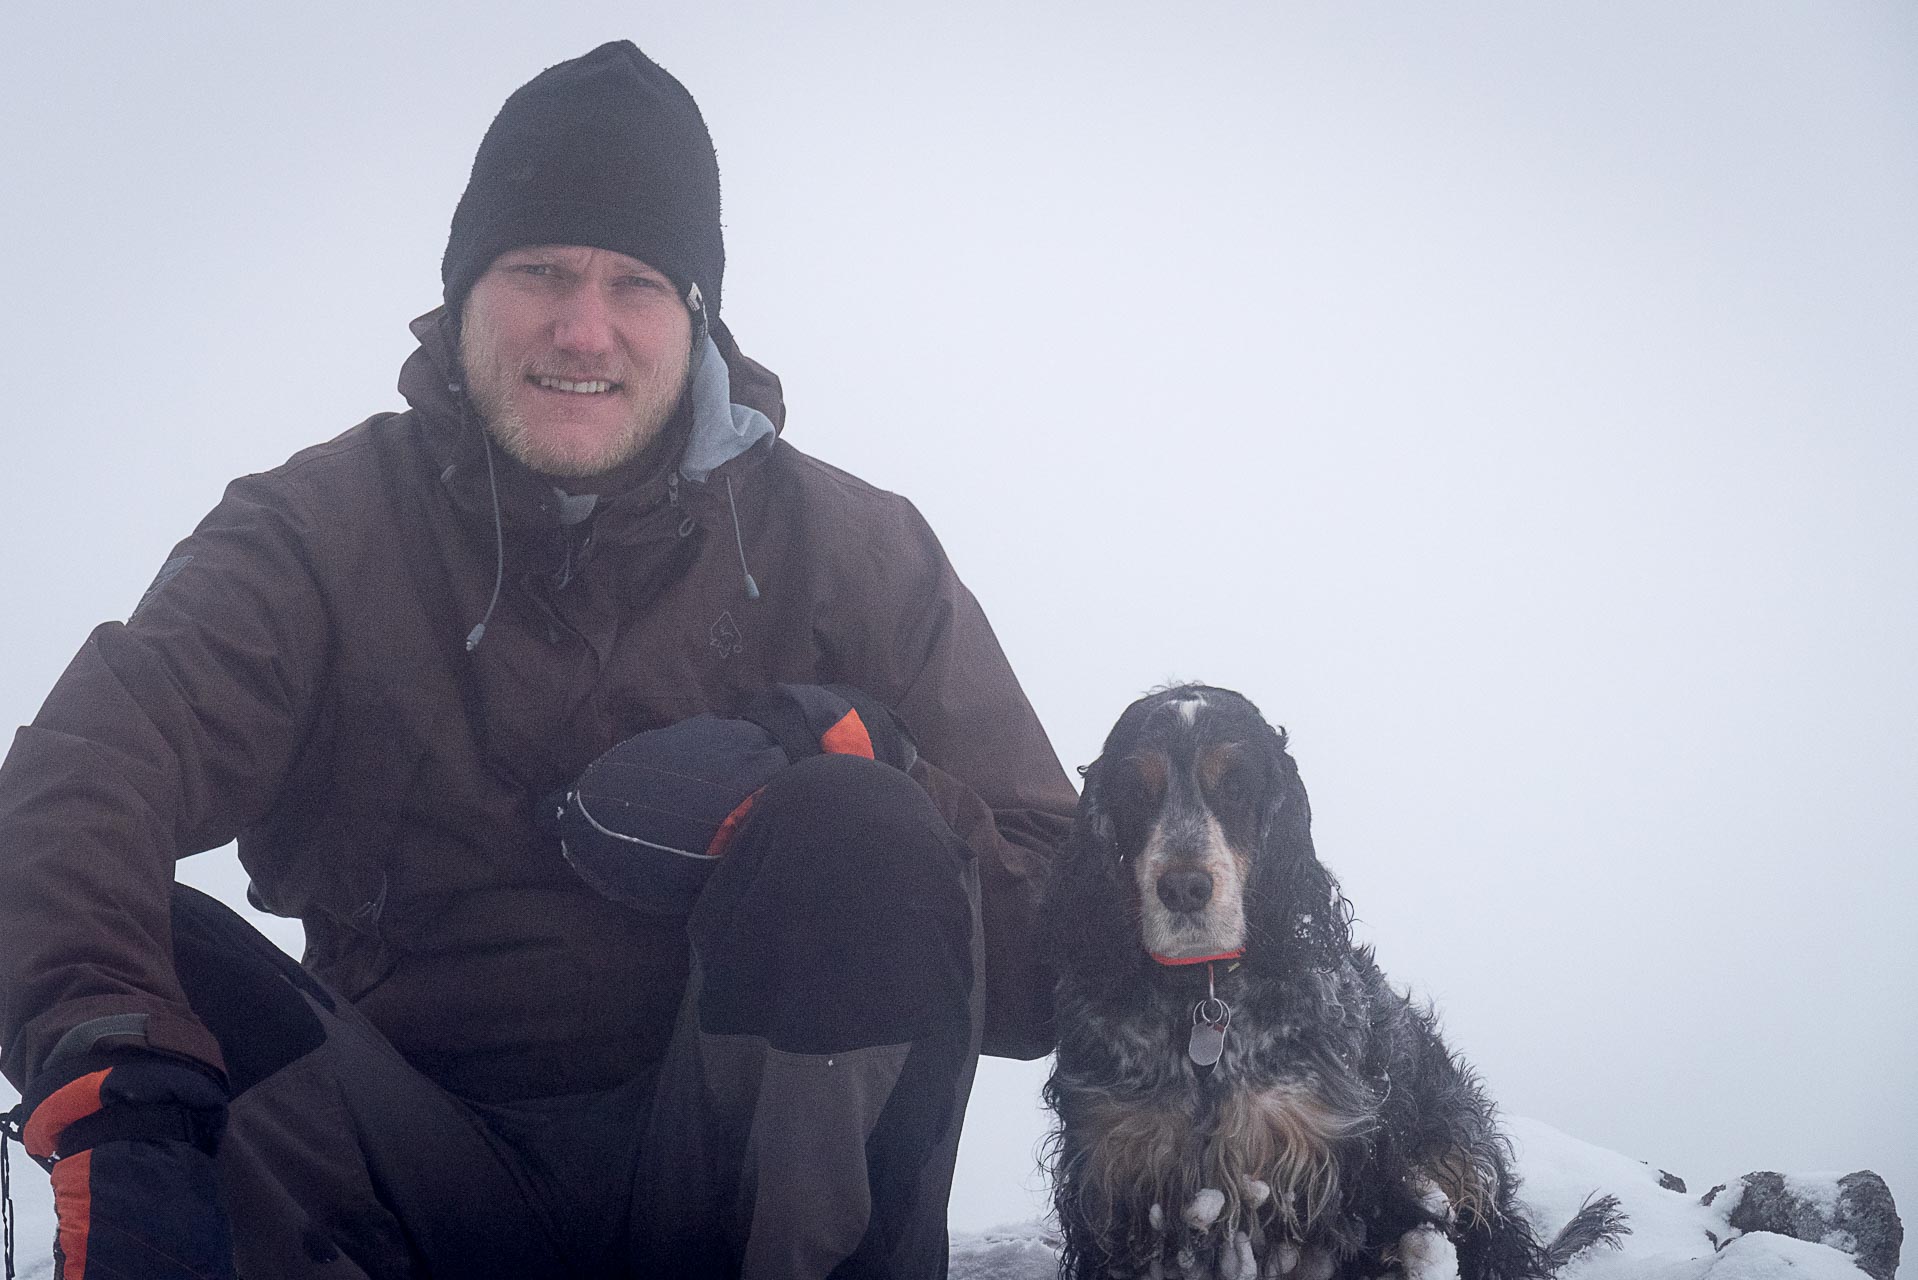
{"points": [[130, 1146]]}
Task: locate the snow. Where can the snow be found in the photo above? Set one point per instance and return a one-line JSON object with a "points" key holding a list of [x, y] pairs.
{"points": [[1427, 1255], [1019, 1251], [1820, 1190], [32, 1205], [1672, 1232], [1239, 1262], [1204, 1209], [1762, 1256]]}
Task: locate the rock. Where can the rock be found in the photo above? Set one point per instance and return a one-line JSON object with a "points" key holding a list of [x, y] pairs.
{"points": [[1669, 1181], [1854, 1214], [1866, 1209]]}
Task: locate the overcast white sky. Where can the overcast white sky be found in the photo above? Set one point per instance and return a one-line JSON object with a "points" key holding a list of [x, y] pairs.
{"points": [[1517, 401]]}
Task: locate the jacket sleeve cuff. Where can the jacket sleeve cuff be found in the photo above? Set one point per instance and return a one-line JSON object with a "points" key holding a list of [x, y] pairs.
{"points": [[86, 1034]]}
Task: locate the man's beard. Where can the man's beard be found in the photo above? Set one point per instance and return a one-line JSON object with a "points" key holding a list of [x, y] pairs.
{"points": [[652, 395]]}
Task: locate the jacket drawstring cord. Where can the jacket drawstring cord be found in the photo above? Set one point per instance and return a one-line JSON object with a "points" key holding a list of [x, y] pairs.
{"points": [[739, 540], [474, 636]]}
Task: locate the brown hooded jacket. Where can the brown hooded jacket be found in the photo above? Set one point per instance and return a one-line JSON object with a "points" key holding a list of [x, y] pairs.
{"points": [[298, 678]]}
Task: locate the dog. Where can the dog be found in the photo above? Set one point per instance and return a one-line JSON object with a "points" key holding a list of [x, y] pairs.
{"points": [[1239, 1093]]}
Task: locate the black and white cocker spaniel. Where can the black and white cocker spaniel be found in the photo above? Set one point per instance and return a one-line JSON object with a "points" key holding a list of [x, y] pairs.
{"points": [[1239, 1093]]}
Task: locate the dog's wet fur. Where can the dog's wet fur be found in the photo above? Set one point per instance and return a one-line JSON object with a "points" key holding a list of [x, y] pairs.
{"points": [[1337, 1136]]}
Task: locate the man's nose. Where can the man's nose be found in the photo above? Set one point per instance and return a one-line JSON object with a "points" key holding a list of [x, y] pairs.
{"points": [[584, 322]]}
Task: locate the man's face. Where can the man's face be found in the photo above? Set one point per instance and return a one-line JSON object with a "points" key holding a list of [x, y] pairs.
{"points": [[575, 357]]}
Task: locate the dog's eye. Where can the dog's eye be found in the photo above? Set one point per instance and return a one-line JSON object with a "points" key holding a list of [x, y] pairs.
{"points": [[1130, 805], [1235, 789], [1134, 788], [1140, 780]]}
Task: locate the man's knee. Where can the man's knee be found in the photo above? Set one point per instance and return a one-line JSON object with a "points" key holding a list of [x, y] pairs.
{"points": [[865, 827], [841, 916]]}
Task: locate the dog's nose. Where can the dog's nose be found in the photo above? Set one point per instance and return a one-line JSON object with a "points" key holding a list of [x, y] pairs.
{"points": [[1186, 889]]}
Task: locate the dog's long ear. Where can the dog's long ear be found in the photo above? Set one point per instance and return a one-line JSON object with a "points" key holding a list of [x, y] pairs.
{"points": [[1091, 912], [1091, 932], [1094, 820], [1312, 919]]}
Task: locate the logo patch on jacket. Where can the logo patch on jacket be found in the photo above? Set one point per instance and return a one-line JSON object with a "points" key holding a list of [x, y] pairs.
{"points": [[725, 635], [168, 572]]}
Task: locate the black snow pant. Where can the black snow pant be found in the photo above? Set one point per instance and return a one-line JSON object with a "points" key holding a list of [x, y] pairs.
{"points": [[803, 1123]]}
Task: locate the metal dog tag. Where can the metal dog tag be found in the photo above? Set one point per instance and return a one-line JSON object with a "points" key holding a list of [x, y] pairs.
{"points": [[1210, 1017], [1207, 1044]]}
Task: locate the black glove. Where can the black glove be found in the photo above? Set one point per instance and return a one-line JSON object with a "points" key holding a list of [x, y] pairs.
{"points": [[130, 1147], [647, 822]]}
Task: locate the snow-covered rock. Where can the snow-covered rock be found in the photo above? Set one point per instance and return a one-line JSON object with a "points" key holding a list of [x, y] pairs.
{"points": [[1675, 1235], [1853, 1212]]}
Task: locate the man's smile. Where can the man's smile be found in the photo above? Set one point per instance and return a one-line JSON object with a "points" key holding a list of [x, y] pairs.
{"points": [[591, 388]]}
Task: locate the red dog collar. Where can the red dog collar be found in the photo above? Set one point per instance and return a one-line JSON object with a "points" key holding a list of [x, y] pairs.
{"points": [[1181, 960]]}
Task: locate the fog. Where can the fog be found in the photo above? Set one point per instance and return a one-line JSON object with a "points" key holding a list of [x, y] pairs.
{"points": [[1516, 401]]}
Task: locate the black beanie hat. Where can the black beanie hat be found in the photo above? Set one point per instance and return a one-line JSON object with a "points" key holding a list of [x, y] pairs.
{"points": [[608, 151]]}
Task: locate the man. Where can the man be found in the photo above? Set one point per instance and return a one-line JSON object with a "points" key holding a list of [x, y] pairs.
{"points": [[378, 666]]}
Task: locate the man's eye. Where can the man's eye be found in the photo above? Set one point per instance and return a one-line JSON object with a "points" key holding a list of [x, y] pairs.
{"points": [[535, 268], [644, 282]]}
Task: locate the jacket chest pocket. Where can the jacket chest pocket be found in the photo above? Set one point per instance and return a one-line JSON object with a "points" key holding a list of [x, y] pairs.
{"points": [[328, 849]]}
